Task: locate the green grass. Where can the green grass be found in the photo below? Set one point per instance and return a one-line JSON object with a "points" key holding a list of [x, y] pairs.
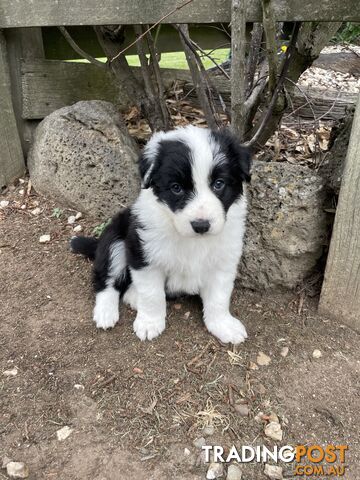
{"points": [[175, 59]]}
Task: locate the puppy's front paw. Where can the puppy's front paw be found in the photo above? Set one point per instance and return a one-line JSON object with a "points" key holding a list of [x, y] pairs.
{"points": [[106, 311], [147, 328], [227, 329]]}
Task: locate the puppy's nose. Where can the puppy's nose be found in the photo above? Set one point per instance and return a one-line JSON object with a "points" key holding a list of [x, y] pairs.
{"points": [[200, 226]]}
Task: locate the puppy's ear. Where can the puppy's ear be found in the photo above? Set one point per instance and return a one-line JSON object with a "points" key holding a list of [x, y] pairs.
{"points": [[146, 169], [241, 155]]}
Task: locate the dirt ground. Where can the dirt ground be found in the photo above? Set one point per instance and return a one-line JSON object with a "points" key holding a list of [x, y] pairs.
{"points": [[135, 407]]}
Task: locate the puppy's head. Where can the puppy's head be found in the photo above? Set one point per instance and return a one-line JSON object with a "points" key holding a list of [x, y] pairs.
{"points": [[197, 174]]}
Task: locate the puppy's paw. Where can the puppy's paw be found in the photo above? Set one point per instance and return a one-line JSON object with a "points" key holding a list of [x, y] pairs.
{"points": [[106, 311], [147, 328], [227, 329]]}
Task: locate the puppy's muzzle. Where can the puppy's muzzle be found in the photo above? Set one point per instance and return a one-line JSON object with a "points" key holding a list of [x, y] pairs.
{"points": [[200, 226]]}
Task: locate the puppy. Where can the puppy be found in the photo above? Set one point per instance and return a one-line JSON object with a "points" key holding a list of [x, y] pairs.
{"points": [[183, 235]]}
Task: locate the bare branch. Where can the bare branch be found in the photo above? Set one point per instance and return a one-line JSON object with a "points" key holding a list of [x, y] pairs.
{"points": [[238, 47], [253, 55], [278, 86], [179, 7], [271, 47], [79, 50], [199, 78]]}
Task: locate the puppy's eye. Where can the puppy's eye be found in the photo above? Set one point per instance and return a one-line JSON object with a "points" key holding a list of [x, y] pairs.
{"points": [[218, 185], [176, 188]]}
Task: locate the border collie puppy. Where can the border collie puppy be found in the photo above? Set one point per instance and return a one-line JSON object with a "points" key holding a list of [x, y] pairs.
{"points": [[183, 235]]}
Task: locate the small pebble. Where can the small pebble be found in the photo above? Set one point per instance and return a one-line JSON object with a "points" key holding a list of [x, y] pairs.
{"points": [[78, 228], [316, 353], [262, 359], [23, 207], [215, 470], [273, 418], [208, 431], [78, 216], [199, 442], [78, 386], [186, 452], [242, 409], [284, 351], [11, 373], [21, 192], [4, 203], [71, 219], [36, 211], [273, 430], [233, 473], [44, 239], [253, 366], [64, 433], [273, 471], [186, 315], [17, 470]]}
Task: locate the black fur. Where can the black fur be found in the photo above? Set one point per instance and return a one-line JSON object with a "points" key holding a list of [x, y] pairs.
{"points": [[85, 246]]}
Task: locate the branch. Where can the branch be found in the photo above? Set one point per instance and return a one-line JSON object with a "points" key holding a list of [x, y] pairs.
{"points": [[179, 7], [271, 47], [238, 47], [199, 77], [253, 56], [79, 50], [159, 81], [278, 86]]}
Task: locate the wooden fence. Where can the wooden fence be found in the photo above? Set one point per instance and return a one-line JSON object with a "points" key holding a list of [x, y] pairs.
{"points": [[35, 80]]}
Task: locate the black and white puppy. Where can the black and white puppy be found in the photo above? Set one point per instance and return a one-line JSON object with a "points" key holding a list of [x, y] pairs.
{"points": [[183, 235]]}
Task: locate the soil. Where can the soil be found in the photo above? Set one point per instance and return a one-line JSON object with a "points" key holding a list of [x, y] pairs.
{"points": [[134, 406]]}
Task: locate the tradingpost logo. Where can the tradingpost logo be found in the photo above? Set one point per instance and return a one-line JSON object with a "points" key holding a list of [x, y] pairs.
{"points": [[310, 460]]}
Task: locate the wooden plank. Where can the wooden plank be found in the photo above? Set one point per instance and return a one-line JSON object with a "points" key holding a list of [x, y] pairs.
{"points": [[57, 48], [51, 84], [11, 156], [33, 13], [340, 296], [24, 43]]}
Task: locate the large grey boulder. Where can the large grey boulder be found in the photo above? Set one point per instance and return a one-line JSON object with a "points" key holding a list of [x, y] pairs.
{"points": [[287, 226], [84, 157]]}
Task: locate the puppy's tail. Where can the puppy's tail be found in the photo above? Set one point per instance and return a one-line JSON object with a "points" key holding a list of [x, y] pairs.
{"points": [[85, 246]]}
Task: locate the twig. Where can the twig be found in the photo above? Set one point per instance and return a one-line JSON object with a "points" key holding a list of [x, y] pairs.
{"points": [[270, 34], [159, 82], [238, 46], [198, 75], [79, 50], [219, 67], [279, 85], [179, 7]]}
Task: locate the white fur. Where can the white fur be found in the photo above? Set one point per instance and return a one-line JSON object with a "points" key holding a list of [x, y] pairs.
{"points": [[106, 311]]}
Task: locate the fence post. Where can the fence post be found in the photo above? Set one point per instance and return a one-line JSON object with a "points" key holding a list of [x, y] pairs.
{"points": [[22, 44], [340, 296], [11, 156]]}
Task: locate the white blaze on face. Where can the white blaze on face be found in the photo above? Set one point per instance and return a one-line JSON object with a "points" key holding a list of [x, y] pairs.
{"points": [[204, 205]]}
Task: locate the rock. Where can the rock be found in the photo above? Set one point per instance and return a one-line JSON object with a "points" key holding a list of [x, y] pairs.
{"points": [[12, 372], [287, 226], [208, 431], [273, 418], [17, 470], [36, 211], [186, 452], [262, 359], [83, 157], [4, 203], [63, 433], [233, 473], [316, 353], [253, 366], [284, 351], [273, 471], [215, 470], [199, 442], [71, 219], [44, 239], [242, 409], [77, 229], [273, 430], [78, 216]]}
